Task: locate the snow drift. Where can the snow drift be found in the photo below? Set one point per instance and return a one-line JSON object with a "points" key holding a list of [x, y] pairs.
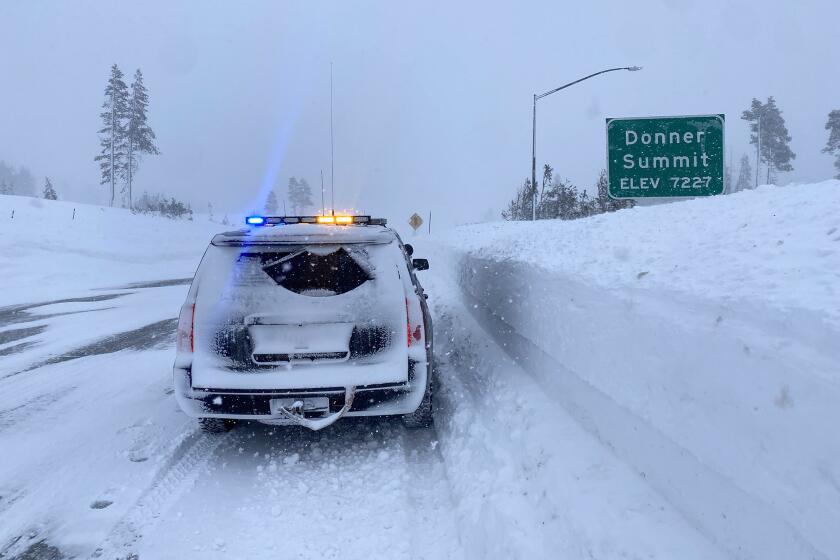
{"points": [[53, 249], [697, 340]]}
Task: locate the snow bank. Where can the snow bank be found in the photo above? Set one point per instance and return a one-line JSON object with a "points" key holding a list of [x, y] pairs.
{"points": [[697, 340], [47, 253], [773, 247]]}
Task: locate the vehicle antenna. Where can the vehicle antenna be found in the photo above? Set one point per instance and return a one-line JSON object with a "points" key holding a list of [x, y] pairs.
{"points": [[332, 144]]}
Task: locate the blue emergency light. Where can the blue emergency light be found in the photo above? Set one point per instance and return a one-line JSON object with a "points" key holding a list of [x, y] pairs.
{"points": [[321, 220]]}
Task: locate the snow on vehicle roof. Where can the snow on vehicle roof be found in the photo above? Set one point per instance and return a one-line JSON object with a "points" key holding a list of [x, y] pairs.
{"points": [[299, 234]]}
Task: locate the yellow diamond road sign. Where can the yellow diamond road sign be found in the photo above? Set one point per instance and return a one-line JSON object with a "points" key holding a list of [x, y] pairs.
{"points": [[415, 221]]}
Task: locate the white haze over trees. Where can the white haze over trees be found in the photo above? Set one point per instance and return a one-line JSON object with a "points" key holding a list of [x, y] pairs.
{"points": [[16, 180], [432, 115], [744, 175], [271, 205], [299, 196], [768, 131]]}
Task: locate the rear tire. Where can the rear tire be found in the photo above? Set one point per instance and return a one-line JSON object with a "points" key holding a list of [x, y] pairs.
{"points": [[423, 417], [216, 425]]}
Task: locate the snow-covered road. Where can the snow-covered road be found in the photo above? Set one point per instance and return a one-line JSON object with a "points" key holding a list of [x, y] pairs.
{"points": [[104, 465], [597, 398]]}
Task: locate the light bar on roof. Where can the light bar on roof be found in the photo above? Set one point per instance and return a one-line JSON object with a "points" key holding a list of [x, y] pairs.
{"points": [[343, 220]]}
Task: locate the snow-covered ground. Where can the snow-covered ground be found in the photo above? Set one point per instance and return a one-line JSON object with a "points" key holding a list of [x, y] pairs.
{"points": [[773, 247], [656, 383], [56, 249], [698, 341], [99, 462]]}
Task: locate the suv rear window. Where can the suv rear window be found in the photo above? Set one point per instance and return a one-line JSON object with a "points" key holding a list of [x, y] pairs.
{"points": [[318, 272]]}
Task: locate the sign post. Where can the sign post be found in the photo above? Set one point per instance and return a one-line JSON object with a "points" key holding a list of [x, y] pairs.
{"points": [[665, 157]]}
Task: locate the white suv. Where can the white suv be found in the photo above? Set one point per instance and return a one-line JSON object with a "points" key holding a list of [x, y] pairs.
{"points": [[302, 320]]}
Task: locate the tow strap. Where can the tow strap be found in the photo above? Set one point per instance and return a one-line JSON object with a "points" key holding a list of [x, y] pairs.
{"points": [[294, 413]]}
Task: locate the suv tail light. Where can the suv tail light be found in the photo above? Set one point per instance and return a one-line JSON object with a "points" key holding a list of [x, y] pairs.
{"points": [[414, 321], [186, 324]]}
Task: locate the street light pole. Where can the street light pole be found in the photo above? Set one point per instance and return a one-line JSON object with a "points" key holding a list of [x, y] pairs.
{"points": [[534, 127], [534, 162]]}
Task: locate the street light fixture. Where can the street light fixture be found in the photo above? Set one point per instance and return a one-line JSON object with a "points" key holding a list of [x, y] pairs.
{"points": [[534, 130]]}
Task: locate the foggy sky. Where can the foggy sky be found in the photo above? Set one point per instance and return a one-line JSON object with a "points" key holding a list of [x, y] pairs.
{"points": [[432, 100]]}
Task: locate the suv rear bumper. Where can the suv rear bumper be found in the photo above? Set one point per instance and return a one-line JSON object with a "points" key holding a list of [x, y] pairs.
{"points": [[370, 400]]}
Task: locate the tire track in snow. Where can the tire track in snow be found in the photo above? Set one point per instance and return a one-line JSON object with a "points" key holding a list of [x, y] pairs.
{"points": [[429, 499], [14, 340], [33, 406], [362, 488], [12, 314], [482, 415], [68, 450], [185, 464], [152, 336]]}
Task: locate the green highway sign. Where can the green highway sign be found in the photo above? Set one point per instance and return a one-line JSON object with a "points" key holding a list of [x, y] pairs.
{"points": [[653, 157]]}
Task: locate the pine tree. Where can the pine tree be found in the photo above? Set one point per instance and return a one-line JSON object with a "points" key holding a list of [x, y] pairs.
{"points": [[6, 174], [832, 146], [300, 195], [306, 195], [568, 202], [562, 200], [112, 135], [520, 207], [549, 208], [559, 202], [140, 139], [586, 205], [548, 176], [744, 175], [775, 140], [603, 201], [292, 193], [271, 203], [210, 211], [49, 191]]}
